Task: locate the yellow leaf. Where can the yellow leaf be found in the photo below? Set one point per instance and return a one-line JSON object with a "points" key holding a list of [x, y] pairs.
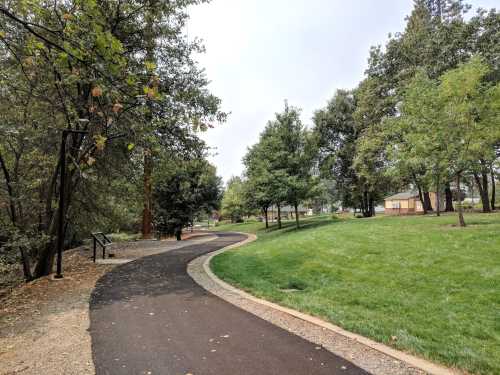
{"points": [[150, 66], [100, 142]]}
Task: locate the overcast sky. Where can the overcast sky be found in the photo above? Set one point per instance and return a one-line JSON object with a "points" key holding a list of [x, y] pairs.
{"points": [[261, 52]]}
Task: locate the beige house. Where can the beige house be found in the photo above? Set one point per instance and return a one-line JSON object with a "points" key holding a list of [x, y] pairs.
{"points": [[287, 212], [407, 203]]}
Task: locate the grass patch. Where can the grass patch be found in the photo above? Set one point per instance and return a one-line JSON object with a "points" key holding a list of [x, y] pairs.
{"points": [[124, 237], [433, 287]]}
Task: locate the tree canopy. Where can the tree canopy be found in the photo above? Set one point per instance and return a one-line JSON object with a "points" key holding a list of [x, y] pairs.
{"points": [[121, 72], [429, 94], [279, 167]]}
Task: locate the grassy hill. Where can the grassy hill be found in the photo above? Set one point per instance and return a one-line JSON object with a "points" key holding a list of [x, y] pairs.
{"points": [[419, 284]]}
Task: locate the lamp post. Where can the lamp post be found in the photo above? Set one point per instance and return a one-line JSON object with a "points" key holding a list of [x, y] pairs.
{"points": [[62, 188]]}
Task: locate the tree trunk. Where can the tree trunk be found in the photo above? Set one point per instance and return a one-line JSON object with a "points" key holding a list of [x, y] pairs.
{"points": [[421, 197], [364, 203], [147, 216], [471, 186], [266, 218], [438, 196], [279, 216], [28, 276], [460, 210], [147, 219], [427, 201], [297, 215], [449, 198], [178, 234], [367, 204], [45, 258], [487, 207], [493, 190], [10, 191], [482, 186]]}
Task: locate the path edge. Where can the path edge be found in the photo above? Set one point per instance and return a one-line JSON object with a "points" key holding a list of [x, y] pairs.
{"points": [[420, 363]]}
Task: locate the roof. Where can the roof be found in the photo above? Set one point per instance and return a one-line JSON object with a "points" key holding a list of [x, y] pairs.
{"points": [[285, 209], [401, 196]]}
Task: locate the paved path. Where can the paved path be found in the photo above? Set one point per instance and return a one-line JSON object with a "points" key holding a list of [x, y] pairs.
{"points": [[149, 317]]}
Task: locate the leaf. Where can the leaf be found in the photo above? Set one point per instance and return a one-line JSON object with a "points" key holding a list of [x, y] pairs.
{"points": [[96, 91], [28, 61], [150, 66], [151, 92], [117, 107], [100, 142], [131, 146], [131, 80]]}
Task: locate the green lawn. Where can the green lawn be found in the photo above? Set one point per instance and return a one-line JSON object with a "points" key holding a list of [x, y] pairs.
{"points": [[417, 283]]}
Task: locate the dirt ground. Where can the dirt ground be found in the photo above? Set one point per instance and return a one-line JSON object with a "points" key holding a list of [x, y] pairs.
{"points": [[43, 324]]}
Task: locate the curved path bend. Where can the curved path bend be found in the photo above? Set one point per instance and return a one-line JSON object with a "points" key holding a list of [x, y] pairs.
{"points": [[149, 317]]}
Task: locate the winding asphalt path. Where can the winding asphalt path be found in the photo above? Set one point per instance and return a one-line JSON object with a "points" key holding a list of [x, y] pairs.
{"points": [[149, 317]]}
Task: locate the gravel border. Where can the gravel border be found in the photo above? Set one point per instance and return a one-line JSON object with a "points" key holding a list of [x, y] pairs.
{"points": [[371, 356]]}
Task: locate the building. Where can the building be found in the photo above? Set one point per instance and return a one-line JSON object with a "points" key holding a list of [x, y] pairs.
{"points": [[287, 212], [407, 203]]}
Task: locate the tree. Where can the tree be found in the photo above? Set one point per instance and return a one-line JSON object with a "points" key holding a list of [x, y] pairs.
{"points": [[85, 65], [233, 201], [259, 179], [181, 192], [285, 156], [350, 150], [336, 134], [270, 150], [294, 157], [460, 108], [472, 103], [374, 104], [436, 39], [484, 39]]}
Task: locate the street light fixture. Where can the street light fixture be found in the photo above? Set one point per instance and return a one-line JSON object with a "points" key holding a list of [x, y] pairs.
{"points": [[62, 186]]}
